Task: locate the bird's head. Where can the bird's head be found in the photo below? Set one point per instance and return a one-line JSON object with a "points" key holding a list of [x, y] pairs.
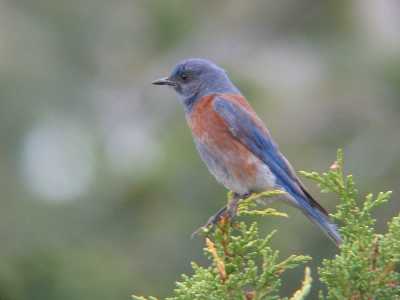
{"points": [[194, 78]]}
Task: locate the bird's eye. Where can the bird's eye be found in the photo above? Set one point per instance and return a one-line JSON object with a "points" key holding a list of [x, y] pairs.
{"points": [[184, 76]]}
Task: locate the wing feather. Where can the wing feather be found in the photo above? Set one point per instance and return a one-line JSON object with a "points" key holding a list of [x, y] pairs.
{"points": [[255, 137]]}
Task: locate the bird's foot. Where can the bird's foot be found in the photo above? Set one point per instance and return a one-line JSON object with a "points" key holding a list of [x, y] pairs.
{"points": [[212, 221], [227, 212]]}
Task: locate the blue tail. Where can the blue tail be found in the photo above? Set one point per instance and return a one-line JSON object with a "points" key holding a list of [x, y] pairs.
{"points": [[302, 199], [320, 218]]}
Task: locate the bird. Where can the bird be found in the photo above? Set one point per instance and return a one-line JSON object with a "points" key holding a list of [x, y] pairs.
{"points": [[234, 142]]}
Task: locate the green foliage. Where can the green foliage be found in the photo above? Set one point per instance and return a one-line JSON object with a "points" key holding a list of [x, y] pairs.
{"points": [[243, 266], [250, 207], [366, 265]]}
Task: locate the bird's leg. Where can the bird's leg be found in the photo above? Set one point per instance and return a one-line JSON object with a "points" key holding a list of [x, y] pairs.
{"points": [[212, 220], [230, 211], [233, 204]]}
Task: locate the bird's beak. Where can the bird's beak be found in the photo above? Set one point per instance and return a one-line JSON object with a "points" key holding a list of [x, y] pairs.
{"points": [[164, 81]]}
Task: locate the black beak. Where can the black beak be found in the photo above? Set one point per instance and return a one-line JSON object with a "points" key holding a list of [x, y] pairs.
{"points": [[164, 81]]}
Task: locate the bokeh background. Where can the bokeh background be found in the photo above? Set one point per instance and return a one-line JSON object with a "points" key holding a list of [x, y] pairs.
{"points": [[101, 186]]}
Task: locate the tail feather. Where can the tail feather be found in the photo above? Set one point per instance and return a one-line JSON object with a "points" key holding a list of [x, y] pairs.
{"points": [[320, 218], [302, 199]]}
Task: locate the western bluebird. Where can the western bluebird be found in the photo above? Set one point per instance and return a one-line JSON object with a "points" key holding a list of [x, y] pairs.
{"points": [[235, 144]]}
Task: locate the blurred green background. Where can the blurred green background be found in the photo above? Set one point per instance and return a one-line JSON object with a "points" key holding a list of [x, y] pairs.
{"points": [[101, 186]]}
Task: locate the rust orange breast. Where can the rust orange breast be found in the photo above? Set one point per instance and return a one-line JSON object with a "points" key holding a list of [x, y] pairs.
{"points": [[205, 122], [211, 130]]}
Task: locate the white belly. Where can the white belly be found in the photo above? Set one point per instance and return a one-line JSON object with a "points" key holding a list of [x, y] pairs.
{"points": [[222, 166]]}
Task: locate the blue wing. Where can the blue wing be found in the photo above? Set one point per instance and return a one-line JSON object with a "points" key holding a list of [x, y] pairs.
{"points": [[243, 127], [255, 138]]}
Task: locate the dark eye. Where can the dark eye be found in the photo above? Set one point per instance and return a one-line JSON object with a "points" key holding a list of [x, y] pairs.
{"points": [[184, 76]]}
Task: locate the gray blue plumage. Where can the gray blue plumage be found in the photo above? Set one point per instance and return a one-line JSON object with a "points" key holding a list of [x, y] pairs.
{"points": [[234, 143]]}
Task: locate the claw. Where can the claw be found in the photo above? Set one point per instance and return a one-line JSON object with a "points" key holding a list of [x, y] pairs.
{"points": [[228, 211], [211, 221]]}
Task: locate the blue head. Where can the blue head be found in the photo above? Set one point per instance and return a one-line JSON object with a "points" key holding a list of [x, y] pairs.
{"points": [[194, 78]]}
